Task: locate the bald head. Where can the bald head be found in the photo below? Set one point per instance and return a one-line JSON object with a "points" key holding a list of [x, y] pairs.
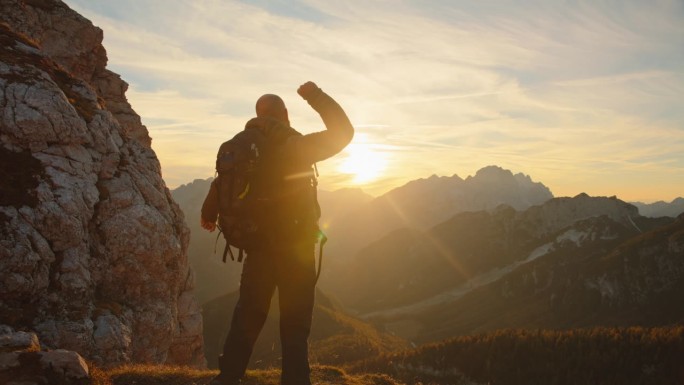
{"points": [[272, 106]]}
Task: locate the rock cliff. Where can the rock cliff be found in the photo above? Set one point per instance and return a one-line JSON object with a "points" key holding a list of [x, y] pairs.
{"points": [[93, 249]]}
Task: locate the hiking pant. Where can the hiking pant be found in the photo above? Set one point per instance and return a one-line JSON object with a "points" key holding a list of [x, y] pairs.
{"points": [[292, 271]]}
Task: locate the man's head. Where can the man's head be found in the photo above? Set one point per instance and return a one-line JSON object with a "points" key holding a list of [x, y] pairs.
{"points": [[272, 106]]}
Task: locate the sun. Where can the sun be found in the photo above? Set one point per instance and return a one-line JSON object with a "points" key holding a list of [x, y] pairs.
{"points": [[364, 162]]}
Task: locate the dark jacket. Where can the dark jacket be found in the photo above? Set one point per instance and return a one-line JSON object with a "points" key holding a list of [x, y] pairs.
{"points": [[302, 150]]}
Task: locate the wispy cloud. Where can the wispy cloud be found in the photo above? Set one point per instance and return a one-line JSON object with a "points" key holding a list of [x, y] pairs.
{"points": [[581, 96]]}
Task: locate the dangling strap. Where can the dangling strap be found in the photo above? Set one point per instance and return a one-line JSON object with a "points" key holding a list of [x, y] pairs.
{"points": [[217, 237], [227, 250], [322, 241], [322, 238]]}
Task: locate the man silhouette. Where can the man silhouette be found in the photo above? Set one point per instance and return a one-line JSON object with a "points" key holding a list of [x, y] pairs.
{"points": [[287, 259]]}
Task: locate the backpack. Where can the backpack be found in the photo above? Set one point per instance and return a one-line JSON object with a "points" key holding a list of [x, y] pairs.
{"points": [[263, 198]]}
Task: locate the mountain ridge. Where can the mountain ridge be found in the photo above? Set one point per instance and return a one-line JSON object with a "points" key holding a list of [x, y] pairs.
{"points": [[413, 265], [598, 272], [348, 208], [424, 202], [661, 208]]}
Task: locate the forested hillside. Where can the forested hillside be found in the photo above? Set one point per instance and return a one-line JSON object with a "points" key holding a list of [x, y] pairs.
{"points": [[527, 357]]}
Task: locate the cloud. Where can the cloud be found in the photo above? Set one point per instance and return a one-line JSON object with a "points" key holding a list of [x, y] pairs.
{"points": [[569, 93]]}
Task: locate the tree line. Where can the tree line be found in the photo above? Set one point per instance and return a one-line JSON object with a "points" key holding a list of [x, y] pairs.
{"points": [[634, 355]]}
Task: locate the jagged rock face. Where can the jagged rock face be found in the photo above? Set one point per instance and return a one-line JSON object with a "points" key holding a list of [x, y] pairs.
{"points": [[75, 44], [93, 249]]}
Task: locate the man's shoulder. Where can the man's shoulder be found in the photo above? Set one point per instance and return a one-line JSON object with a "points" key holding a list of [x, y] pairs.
{"points": [[262, 133], [240, 139]]}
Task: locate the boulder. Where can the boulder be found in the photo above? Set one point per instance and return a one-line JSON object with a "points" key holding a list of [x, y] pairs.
{"points": [[11, 341], [21, 362]]}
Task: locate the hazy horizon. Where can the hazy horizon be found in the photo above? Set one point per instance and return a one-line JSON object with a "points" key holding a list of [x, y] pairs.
{"points": [[581, 97]]}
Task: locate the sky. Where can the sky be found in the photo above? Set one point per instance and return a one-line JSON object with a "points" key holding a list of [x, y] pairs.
{"points": [[583, 96]]}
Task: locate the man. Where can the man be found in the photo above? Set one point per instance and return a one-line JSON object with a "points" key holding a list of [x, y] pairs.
{"points": [[286, 258]]}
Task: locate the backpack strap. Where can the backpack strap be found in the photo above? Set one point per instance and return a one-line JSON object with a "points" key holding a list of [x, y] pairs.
{"points": [[322, 240], [227, 250]]}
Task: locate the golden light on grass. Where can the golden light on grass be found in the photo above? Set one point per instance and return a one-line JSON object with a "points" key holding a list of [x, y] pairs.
{"points": [[149, 374]]}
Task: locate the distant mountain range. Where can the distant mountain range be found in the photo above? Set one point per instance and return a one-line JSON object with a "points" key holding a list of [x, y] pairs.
{"points": [[353, 219], [410, 265], [597, 272], [661, 208], [423, 203], [446, 256], [614, 269]]}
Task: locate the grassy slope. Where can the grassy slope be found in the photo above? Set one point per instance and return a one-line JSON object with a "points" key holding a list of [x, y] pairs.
{"points": [[505, 357], [173, 375]]}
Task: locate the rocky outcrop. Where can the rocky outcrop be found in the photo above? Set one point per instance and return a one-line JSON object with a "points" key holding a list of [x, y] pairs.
{"points": [[22, 362], [75, 44], [93, 249]]}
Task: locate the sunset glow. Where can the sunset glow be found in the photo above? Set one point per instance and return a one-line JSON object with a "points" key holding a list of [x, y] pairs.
{"points": [[363, 161], [582, 96]]}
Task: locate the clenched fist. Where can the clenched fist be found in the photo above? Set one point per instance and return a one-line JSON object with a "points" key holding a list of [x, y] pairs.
{"points": [[307, 90]]}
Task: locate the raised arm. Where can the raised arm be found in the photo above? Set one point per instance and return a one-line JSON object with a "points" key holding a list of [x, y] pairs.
{"points": [[339, 131]]}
